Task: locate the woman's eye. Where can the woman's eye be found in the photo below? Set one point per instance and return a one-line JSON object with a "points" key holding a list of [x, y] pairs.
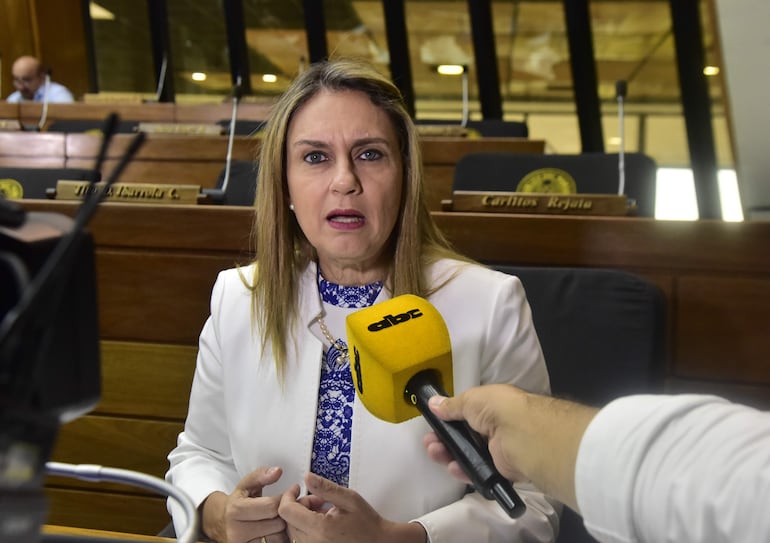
{"points": [[371, 154], [314, 157]]}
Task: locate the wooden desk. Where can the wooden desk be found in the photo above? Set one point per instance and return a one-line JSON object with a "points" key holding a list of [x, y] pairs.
{"points": [[105, 534], [163, 158], [198, 160], [8, 112], [147, 112], [156, 266], [32, 150]]}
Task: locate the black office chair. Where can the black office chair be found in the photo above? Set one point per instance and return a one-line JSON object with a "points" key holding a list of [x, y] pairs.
{"points": [[594, 173], [603, 336], [497, 128], [34, 182], [241, 189]]}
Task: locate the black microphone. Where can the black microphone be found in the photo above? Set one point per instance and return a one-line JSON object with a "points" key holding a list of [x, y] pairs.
{"points": [[620, 92], [109, 129], [466, 446], [395, 376], [621, 88]]}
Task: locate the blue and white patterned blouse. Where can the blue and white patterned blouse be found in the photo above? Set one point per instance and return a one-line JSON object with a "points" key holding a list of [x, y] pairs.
{"points": [[331, 446]]}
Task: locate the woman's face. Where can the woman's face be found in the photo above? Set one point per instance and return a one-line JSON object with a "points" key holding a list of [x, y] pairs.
{"points": [[345, 174]]}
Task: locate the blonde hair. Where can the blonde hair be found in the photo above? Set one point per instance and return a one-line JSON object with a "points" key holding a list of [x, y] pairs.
{"points": [[283, 251]]}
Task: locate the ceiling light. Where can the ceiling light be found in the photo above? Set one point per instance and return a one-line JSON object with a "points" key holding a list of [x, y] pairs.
{"points": [[450, 69], [711, 70], [269, 78], [198, 76], [97, 12]]}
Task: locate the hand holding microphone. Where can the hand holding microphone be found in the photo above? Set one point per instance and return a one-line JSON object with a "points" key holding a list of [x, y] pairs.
{"points": [[401, 357]]}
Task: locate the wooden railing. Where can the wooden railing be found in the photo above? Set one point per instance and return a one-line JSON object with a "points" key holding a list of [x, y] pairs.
{"points": [[157, 264], [30, 113]]}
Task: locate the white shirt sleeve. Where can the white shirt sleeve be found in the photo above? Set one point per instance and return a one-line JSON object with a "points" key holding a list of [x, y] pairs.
{"points": [[675, 469]]}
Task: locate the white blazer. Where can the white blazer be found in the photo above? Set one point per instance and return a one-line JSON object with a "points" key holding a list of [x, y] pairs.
{"points": [[240, 417]]}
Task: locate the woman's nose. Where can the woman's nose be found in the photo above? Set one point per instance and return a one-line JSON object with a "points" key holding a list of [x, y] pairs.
{"points": [[345, 178]]}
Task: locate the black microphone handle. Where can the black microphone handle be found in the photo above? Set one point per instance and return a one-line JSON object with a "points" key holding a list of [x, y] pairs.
{"points": [[621, 88], [466, 446]]}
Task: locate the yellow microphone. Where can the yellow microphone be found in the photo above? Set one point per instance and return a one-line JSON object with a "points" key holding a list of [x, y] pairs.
{"points": [[401, 356]]}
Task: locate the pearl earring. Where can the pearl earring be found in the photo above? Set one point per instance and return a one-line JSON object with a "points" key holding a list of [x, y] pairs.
{"points": [[291, 206]]}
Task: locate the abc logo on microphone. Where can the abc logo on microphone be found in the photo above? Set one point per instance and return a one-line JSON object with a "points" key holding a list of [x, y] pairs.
{"points": [[392, 341]]}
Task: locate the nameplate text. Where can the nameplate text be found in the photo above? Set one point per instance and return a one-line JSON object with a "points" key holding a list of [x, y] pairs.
{"points": [[196, 129], [535, 203], [140, 193]]}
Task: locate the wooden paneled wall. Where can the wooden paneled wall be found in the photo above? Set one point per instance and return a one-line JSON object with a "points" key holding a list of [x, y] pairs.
{"points": [[53, 31], [17, 38], [156, 266]]}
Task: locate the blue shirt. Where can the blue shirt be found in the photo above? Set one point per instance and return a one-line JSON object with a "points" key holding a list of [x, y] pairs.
{"points": [[336, 394], [56, 93]]}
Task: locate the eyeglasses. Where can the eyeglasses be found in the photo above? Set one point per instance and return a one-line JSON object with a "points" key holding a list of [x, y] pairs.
{"points": [[26, 79]]}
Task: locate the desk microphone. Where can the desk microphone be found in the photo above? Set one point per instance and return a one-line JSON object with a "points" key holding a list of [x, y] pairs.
{"points": [[237, 94], [217, 195], [44, 112], [401, 357], [466, 99], [620, 91], [161, 77]]}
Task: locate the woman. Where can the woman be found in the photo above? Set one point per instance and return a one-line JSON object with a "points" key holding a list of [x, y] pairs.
{"points": [[341, 223]]}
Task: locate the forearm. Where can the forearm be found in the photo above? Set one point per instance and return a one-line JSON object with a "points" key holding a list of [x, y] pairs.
{"points": [[404, 532], [554, 429], [212, 514]]}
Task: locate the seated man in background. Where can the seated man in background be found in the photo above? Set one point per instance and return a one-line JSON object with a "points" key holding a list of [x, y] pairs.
{"points": [[29, 79]]}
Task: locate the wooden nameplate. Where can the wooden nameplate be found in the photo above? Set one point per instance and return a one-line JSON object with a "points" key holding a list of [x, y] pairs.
{"points": [[536, 203], [442, 130], [197, 129], [138, 193], [9, 125], [116, 98]]}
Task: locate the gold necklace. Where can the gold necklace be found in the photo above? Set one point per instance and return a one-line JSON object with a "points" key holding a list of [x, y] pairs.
{"points": [[336, 343]]}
